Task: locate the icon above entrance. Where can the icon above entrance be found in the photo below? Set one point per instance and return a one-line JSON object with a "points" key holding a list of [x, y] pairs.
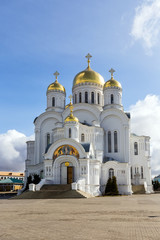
{"points": [[66, 150]]}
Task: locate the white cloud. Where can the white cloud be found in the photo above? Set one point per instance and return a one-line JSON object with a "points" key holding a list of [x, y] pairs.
{"points": [[13, 150], [146, 24], [145, 120]]}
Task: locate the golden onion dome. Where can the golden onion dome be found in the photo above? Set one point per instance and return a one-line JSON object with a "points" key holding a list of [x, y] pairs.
{"points": [[56, 86], [71, 117], [112, 82], [88, 76]]}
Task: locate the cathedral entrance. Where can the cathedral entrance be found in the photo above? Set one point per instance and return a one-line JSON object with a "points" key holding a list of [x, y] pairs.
{"points": [[67, 173]]}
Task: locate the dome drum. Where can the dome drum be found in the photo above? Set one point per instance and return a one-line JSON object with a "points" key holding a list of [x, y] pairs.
{"points": [[88, 84], [113, 87]]}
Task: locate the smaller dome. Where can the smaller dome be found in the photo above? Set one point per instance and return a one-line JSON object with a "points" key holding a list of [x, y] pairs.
{"points": [[112, 82], [56, 86], [71, 118]]}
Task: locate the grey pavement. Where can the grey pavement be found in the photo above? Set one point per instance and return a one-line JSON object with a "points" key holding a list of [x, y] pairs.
{"points": [[125, 217]]}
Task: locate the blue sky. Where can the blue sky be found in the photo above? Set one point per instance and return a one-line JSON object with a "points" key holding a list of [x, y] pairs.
{"points": [[41, 36]]}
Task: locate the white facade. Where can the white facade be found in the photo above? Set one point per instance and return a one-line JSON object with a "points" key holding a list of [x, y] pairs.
{"points": [[86, 152]]}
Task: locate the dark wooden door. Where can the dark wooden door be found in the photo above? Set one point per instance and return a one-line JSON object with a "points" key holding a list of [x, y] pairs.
{"points": [[69, 175]]}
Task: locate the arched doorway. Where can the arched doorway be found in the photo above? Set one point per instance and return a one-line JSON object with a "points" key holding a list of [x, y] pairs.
{"points": [[67, 173], [62, 151], [65, 169]]}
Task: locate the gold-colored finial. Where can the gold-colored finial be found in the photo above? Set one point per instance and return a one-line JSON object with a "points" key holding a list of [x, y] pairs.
{"points": [[71, 118], [70, 105], [111, 71], [70, 97], [88, 56], [56, 75]]}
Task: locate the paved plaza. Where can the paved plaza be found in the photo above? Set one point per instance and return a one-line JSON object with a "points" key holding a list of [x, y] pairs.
{"points": [[126, 217]]}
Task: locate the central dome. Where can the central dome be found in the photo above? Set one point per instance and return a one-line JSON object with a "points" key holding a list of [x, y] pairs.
{"points": [[88, 76]]}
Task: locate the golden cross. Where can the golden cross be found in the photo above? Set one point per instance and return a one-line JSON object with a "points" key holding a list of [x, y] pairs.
{"points": [[88, 56], [111, 71], [56, 74], [70, 97]]}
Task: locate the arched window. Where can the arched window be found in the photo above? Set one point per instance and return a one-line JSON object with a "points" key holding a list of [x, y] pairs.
{"points": [[135, 148], [142, 172], [70, 133], [80, 97], [111, 172], [131, 173], [98, 98], [92, 97], [115, 142], [86, 97], [112, 99], [48, 139], [53, 102], [82, 137], [109, 142], [75, 98]]}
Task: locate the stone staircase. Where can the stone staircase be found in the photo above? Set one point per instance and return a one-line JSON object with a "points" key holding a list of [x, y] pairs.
{"points": [[53, 191], [56, 187], [138, 189]]}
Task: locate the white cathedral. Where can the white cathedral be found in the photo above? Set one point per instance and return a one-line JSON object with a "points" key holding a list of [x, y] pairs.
{"points": [[89, 141]]}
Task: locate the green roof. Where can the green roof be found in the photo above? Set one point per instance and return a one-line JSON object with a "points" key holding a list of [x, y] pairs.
{"points": [[11, 180]]}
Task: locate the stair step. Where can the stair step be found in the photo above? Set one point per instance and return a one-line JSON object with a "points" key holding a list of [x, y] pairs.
{"points": [[50, 195], [138, 189], [56, 187]]}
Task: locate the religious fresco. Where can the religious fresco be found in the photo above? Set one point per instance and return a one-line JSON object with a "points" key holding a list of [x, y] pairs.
{"points": [[66, 150]]}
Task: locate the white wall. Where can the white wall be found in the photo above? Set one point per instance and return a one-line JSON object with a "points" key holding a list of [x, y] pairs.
{"points": [[140, 160], [30, 151], [115, 123], [59, 100], [117, 94]]}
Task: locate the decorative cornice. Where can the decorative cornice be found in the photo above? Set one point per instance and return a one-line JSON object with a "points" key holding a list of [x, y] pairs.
{"points": [[87, 83]]}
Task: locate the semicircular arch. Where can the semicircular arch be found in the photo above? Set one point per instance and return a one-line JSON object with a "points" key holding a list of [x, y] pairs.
{"points": [[114, 112], [63, 142], [44, 116]]}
